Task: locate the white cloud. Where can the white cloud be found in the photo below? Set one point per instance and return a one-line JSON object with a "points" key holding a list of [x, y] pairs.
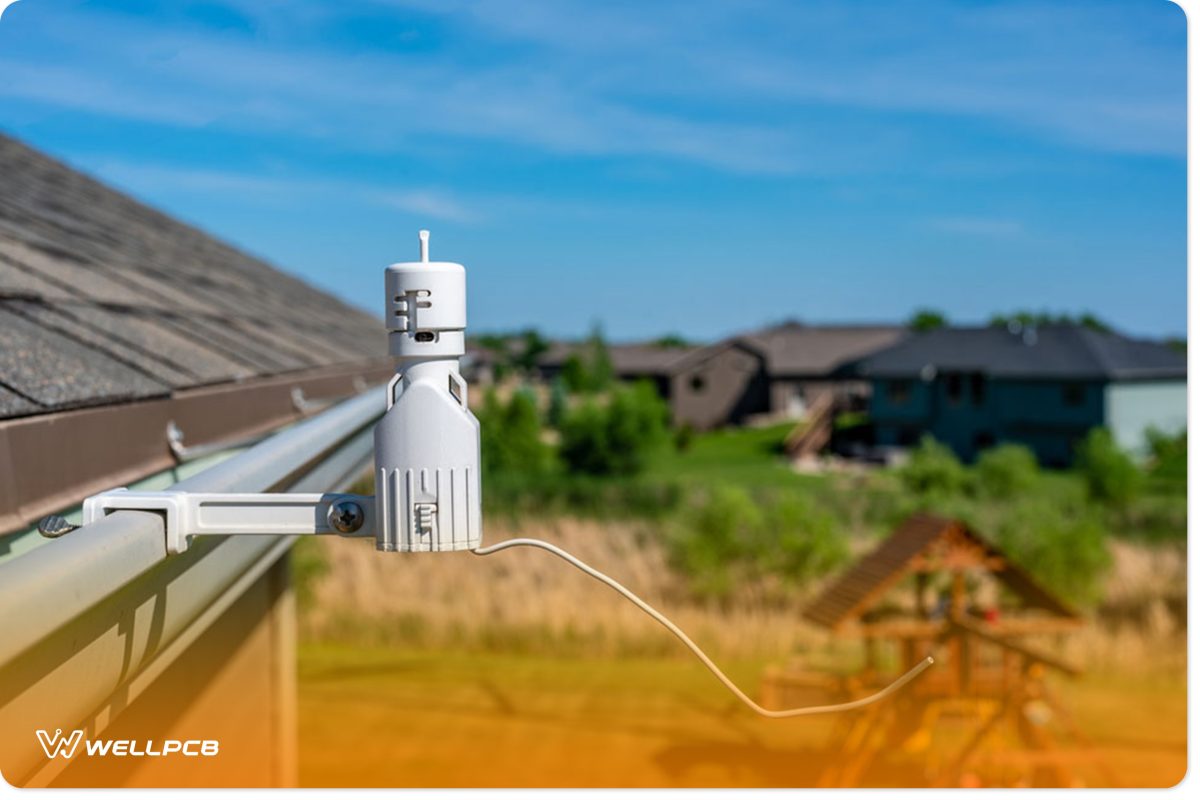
{"points": [[436, 205], [768, 88], [158, 179]]}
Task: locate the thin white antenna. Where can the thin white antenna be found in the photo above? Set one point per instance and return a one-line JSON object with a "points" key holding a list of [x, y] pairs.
{"points": [[657, 615], [424, 237]]}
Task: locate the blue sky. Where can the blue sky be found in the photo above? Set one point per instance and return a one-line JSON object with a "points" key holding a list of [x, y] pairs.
{"points": [[691, 167]]}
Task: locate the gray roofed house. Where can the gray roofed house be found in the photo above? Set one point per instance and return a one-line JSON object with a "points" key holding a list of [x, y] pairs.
{"points": [[1043, 386], [108, 303]]}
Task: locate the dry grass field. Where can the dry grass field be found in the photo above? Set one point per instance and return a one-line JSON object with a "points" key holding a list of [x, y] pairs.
{"points": [[515, 670]]}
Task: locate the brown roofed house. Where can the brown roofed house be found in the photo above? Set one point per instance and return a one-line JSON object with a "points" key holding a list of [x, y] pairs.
{"points": [[778, 372]]}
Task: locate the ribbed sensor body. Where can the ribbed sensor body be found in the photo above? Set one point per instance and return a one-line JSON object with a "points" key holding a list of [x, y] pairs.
{"points": [[427, 444]]}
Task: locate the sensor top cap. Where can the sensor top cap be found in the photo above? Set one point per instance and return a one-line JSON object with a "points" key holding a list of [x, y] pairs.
{"points": [[426, 309]]}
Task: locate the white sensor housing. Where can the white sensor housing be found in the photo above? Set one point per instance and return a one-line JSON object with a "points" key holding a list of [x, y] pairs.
{"points": [[427, 444]]}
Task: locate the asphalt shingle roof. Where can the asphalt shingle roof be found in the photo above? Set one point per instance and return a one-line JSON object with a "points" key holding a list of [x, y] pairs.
{"points": [[637, 358], [104, 299], [796, 349], [789, 350], [1045, 352]]}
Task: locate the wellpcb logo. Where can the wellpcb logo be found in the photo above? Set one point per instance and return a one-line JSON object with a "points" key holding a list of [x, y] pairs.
{"points": [[58, 745]]}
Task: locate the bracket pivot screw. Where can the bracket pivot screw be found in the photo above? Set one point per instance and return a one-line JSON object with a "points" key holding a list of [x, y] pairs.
{"points": [[346, 516]]}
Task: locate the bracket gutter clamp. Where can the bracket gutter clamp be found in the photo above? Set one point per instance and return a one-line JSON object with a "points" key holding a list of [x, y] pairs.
{"points": [[188, 514]]}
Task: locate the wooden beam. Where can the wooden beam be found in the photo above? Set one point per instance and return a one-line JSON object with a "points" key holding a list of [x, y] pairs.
{"points": [[1028, 652]]}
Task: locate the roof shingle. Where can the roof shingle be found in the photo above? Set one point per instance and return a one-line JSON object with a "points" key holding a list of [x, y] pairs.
{"points": [[1046, 352], [103, 299]]}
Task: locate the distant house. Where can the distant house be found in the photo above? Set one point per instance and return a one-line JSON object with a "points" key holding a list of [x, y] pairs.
{"points": [[705, 386], [778, 371], [802, 361], [1043, 387]]}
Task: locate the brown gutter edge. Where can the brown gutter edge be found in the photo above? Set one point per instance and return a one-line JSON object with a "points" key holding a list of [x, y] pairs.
{"points": [[50, 462]]}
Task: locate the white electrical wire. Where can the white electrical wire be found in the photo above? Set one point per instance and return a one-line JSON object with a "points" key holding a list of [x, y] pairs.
{"points": [[683, 637]]}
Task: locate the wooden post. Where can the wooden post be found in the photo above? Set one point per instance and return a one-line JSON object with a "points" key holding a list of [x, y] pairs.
{"points": [[962, 646]]}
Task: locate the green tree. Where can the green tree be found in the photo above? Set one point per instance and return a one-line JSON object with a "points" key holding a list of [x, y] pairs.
{"points": [[574, 374], [933, 469], [1024, 318], [589, 370], [597, 360], [510, 435], [926, 319], [1064, 548], [671, 341], [1089, 320], [1006, 470], [614, 438], [1110, 474], [731, 538], [556, 410], [497, 345], [533, 347], [799, 541], [715, 538], [1168, 456]]}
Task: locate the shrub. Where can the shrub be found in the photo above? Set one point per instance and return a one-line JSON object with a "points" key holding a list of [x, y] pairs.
{"points": [[510, 435], [617, 438], [1110, 474], [933, 469], [715, 538], [589, 370], [1168, 456], [684, 435], [731, 537], [1063, 548], [798, 542], [556, 411], [533, 346], [574, 374], [1006, 471], [557, 493], [585, 446]]}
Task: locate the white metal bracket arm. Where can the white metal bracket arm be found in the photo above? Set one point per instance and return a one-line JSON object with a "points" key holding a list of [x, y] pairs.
{"points": [[190, 514]]}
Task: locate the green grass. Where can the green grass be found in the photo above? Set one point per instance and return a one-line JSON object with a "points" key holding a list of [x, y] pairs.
{"points": [[748, 457]]}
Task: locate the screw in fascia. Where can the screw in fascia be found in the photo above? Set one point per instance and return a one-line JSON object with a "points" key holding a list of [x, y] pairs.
{"points": [[55, 526], [346, 516]]}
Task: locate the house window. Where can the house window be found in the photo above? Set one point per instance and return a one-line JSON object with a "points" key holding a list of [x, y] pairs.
{"points": [[954, 388], [697, 383], [899, 391], [1073, 395], [977, 389]]}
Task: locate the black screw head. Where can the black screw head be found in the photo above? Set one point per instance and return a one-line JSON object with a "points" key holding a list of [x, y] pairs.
{"points": [[346, 516]]}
